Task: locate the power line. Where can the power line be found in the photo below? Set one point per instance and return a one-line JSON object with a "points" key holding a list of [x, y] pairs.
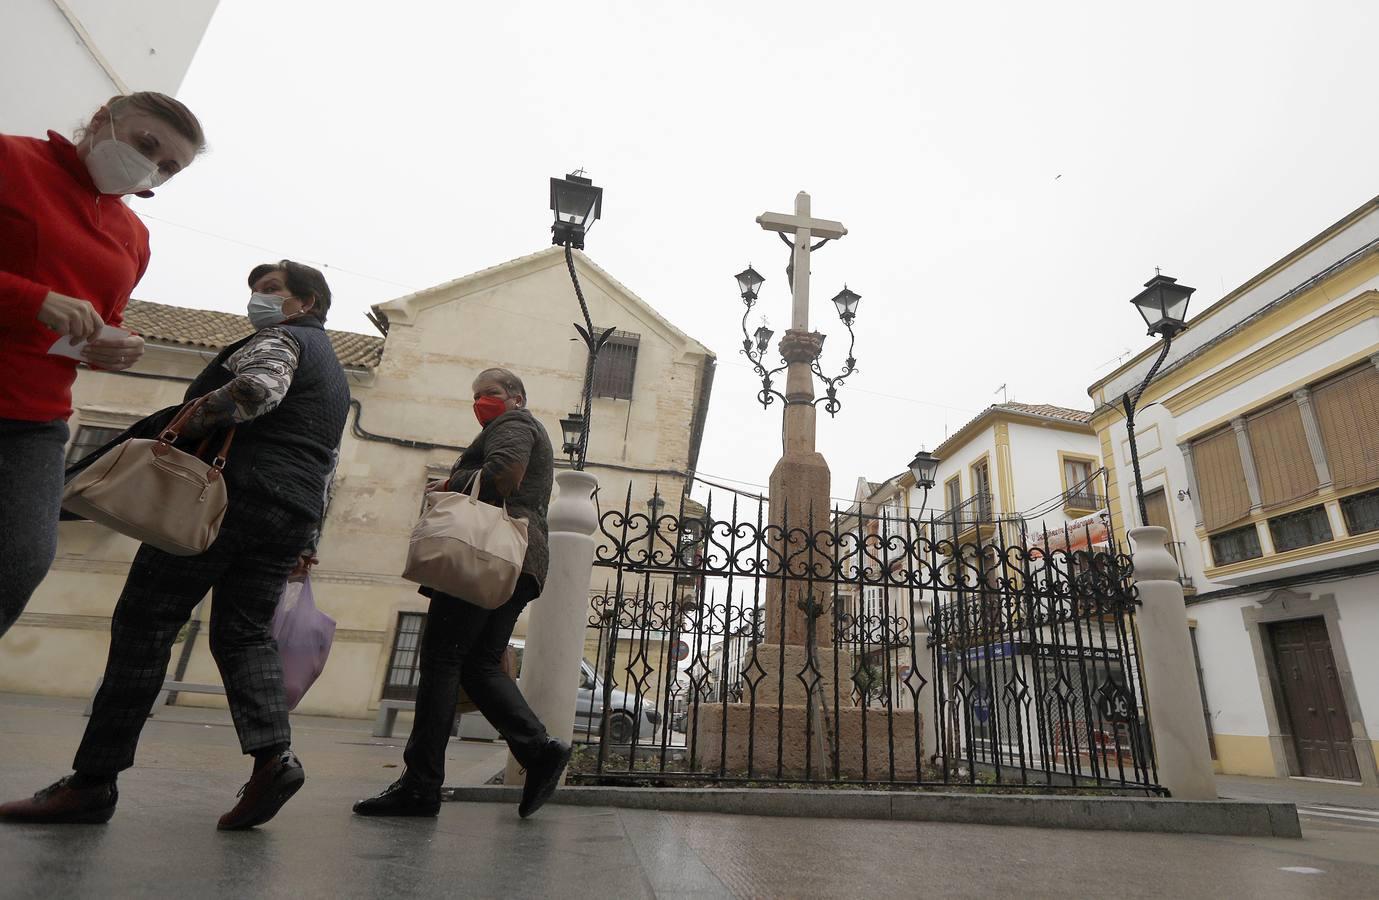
{"points": [[277, 252]]}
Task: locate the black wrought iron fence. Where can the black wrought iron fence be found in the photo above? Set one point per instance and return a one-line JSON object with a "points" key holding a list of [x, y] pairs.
{"points": [[736, 648]]}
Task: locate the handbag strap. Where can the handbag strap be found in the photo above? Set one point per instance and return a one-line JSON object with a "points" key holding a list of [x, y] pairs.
{"points": [[173, 433]]}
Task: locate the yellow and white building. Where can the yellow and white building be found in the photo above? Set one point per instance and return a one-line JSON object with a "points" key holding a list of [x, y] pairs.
{"points": [[1015, 471], [1259, 444]]}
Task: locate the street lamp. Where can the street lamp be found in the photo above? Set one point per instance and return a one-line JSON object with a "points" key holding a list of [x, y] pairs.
{"points": [[924, 467], [1163, 304], [754, 346], [577, 203], [571, 430]]}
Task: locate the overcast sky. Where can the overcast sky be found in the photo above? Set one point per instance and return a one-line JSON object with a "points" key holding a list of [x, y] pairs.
{"points": [[1009, 173]]}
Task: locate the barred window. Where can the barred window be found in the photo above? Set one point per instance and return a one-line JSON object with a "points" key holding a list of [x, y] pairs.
{"points": [[616, 369], [404, 665], [1361, 512], [1300, 529], [1235, 546], [90, 437]]}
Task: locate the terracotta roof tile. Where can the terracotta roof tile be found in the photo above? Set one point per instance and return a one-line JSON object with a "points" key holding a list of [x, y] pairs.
{"points": [[1048, 411], [213, 330]]}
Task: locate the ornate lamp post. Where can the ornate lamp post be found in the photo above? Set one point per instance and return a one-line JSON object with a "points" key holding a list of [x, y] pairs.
{"points": [[577, 203], [1163, 303], [754, 347]]}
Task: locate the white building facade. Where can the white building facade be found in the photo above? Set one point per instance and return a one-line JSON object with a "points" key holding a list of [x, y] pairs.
{"points": [[1259, 445]]}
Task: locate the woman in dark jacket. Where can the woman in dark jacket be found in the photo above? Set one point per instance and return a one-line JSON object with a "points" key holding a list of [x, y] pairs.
{"points": [[283, 390], [464, 644]]}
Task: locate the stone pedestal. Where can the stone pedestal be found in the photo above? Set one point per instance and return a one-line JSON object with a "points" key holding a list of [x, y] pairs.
{"points": [[759, 739], [780, 727], [799, 489]]}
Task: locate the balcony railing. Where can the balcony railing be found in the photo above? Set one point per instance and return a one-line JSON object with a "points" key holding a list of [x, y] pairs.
{"points": [[973, 511], [1177, 548], [1084, 498]]}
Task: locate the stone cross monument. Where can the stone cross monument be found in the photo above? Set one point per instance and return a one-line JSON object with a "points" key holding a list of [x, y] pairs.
{"points": [[799, 486]]}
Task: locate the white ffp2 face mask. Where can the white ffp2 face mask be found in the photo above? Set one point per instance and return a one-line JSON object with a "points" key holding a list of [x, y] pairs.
{"points": [[265, 310], [119, 168]]}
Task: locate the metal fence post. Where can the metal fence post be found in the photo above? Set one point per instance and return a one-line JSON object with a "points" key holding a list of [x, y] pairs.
{"points": [[559, 617], [1170, 678]]}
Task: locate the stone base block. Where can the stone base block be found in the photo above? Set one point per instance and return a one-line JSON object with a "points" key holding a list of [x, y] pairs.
{"points": [[754, 739], [794, 689]]}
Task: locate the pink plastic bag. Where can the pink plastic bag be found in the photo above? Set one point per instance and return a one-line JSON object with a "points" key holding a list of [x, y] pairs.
{"points": [[304, 635]]}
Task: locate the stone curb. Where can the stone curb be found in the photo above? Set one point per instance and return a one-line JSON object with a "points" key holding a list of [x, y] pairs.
{"points": [[1228, 817]]}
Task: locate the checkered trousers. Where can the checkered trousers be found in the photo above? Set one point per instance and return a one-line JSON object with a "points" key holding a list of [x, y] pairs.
{"points": [[245, 570]]}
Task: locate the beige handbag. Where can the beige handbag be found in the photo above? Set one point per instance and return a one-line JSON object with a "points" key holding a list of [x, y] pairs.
{"points": [[154, 492], [467, 549]]}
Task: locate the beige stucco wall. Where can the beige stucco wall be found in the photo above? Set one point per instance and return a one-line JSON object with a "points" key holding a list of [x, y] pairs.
{"points": [[518, 316]]}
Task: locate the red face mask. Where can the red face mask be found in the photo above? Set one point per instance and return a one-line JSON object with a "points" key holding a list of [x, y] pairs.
{"points": [[486, 409]]}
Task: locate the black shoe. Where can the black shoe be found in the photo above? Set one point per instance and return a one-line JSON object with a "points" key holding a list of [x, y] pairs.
{"points": [[62, 804], [401, 799], [543, 777], [271, 785]]}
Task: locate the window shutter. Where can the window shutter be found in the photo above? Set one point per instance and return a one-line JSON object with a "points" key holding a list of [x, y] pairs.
{"points": [[1347, 410], [1282, 458], [1221, 479]]}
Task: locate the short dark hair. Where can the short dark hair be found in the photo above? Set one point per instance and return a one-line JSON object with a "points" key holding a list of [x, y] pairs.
{"points": [[302, 280], [510, 382], [169, 109]]}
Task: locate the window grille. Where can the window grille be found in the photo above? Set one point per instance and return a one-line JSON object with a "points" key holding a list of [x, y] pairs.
{"points": [[1361, 512], [1300, 529], [90, 437], [1235, 546], [616, 369]]}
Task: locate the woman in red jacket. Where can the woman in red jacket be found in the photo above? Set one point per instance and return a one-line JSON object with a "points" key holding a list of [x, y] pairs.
{"points": [[71, 251]]}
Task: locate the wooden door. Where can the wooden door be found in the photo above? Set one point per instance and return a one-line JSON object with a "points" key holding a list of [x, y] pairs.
{"points": [[1312, 699]]}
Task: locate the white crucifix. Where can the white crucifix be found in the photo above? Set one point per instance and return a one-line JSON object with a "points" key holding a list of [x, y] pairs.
{"points": [[805, 229]]}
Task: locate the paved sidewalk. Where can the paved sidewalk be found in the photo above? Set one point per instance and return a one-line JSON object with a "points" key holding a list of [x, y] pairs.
{"points": [[163, 843], [1340, 804]]}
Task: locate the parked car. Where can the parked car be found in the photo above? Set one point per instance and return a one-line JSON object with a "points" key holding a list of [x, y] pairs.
{"points": [[623, 720]]}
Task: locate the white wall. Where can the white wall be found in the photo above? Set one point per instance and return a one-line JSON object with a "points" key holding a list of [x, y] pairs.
{"points": [[1228, 670], [147, 44], [1357, 599], [1037, 471]]}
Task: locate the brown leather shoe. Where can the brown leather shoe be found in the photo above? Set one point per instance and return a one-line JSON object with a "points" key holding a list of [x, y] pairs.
{"points": [[271, 786], [58, 804]]}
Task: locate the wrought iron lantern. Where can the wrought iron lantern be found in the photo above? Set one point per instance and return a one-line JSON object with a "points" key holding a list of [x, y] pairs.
{"points": [[763, 336], [572, 431], [749, 281], [924, 467], [846, 301], [1163, 304], [655, 504], [576, 203]]}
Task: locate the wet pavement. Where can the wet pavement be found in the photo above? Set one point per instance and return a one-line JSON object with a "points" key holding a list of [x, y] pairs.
{"points": [[163, 843]]}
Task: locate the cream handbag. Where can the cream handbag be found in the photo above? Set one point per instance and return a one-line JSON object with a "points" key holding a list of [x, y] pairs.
{"points": [[155, 493], [467, 549]]}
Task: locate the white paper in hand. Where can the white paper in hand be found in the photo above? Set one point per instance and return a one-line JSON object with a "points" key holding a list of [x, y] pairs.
{"points": [[65, 347]]}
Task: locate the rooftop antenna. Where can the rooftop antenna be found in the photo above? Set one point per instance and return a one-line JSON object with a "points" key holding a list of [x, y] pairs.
{"points": [[1002, 390]]}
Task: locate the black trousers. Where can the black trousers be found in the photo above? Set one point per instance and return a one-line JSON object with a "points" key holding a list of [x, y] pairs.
{"points": [[463, 646], [245, 570]]}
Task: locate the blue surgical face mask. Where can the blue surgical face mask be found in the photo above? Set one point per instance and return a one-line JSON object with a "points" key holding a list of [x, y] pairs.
{"points": [[265, 310]]}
